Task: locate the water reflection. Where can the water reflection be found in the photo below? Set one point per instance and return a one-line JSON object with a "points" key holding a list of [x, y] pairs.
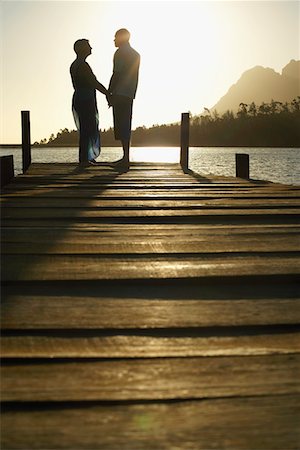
{"points": [[281, 165], [273, 164]]}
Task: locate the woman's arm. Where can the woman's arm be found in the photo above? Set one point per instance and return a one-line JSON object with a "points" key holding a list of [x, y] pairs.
{"points": [[91, 80]]}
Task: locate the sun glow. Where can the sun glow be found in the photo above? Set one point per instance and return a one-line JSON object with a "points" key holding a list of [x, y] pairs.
{"points": [[177, 41], [191, 53]]}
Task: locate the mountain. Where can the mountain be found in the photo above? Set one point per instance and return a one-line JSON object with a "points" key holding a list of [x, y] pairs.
{"points": [[261, 84]]}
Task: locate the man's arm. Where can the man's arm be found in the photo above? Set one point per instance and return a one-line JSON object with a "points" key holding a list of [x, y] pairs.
{"points": [[113, 82], [117, 70]]}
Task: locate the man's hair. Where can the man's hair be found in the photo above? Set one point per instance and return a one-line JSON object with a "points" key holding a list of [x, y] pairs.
{"points": [[79, 45], [123, 34]]}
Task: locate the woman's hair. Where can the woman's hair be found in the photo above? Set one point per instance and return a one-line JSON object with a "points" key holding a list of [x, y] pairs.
{"points": [[79, 45]]}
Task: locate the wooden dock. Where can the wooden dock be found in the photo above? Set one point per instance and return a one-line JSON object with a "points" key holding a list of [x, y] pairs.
{"points": [[149, 310]]}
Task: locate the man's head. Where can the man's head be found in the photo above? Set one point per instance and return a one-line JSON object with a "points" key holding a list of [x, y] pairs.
{"points": [[122, 36], [82, 48]]}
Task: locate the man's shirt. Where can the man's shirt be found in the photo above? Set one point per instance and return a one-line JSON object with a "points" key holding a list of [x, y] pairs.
{"points": [[126, 68]]}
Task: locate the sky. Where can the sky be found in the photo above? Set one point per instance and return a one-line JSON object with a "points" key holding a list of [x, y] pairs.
{"points": [[191, 53]]}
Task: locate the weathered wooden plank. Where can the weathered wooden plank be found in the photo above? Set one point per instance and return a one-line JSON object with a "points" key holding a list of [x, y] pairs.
{"points": [[95, 223], [150, 379], [145, 178], [152, 176], [147, 174], [117, 188], [130, 244], [21, 311], [238, 423], [95, 267], [143, 165], [36, 202], [156, 172], [80, 345], [107, 175], [146, 213], [137, 170], [198, 193], [90, 192], [153, 233], [168, 187], [146, 181], [88, 232]]}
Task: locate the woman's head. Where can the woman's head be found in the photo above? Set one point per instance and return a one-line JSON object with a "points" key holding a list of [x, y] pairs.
{"points": [[82, 47]]}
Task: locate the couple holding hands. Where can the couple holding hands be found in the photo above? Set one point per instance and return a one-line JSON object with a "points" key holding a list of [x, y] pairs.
{"points": [[120, 94]]}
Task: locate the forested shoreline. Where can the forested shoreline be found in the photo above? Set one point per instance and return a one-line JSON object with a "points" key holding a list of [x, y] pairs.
{"points": [[274, 124]]}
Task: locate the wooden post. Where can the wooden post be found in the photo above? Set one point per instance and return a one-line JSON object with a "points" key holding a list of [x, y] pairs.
{"points": [[26, 145], [184, 145], [6, 169], [242, 165]]}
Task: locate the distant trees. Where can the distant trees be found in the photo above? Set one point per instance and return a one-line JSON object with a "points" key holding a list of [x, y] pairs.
{"points": [[63, 138], [157, 135], [273, 124]]}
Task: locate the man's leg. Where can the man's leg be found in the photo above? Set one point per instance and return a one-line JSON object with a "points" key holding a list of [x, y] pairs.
{"points": [[122, 164], [122, 110]]}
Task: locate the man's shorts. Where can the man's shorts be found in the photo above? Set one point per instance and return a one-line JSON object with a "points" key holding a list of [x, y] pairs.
{"points": [[122, 111]]}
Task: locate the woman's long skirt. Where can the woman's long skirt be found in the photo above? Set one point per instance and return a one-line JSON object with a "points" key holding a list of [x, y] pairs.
{"points": [[85, 112]]}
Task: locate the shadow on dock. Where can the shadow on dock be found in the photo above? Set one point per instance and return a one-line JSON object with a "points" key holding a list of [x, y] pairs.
{"points": [[150, 309]]}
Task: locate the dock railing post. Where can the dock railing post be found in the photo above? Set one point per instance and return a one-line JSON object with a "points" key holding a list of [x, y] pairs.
{"points": [[184, 142], [242, 165], [26, 144], [6, 169]]}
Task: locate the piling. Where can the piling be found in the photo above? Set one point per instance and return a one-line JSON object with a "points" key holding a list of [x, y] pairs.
{"points": [[242, 165], [6, 169], [184, 147], [26, 144]]}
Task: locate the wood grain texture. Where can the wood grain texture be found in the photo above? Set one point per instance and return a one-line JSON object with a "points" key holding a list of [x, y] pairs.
{"points": [[149, 245], [75, 312], [119, 212], [80, 345], [150, 379], [149, 310], [122, 233], [237, 423], [98, 267]]}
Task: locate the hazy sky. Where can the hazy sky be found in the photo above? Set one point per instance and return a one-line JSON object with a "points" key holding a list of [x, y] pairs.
{"points": [[191, 53]]}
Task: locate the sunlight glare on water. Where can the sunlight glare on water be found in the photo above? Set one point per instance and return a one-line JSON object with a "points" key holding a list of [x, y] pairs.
{"points": [[155, 154]]}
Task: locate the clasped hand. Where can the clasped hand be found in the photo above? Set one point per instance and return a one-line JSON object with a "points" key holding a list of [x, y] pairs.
{"points": [[109, 98]]}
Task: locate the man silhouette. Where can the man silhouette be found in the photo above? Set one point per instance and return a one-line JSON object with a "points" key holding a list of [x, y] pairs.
{"points": [[84, 104], [122, 90]]}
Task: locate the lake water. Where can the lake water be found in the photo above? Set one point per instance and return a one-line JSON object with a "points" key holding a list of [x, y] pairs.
{"points": [[270, 164]]}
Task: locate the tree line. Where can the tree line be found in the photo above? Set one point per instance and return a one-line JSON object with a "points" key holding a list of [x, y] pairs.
{"points": [[273, 124]]}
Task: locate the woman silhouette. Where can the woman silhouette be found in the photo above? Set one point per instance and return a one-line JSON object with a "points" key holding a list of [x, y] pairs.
{"points": [[84, 104]]}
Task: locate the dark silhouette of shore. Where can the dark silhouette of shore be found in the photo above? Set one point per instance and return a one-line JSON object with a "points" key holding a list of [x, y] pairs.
{"points": [[274, 124]]}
